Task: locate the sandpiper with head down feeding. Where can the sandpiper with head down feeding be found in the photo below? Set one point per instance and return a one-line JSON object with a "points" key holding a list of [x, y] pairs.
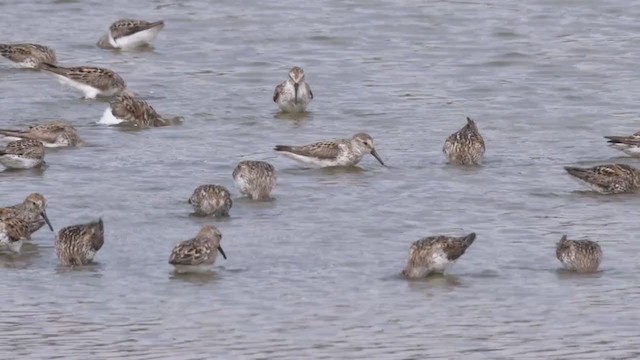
{"points": [[608, 179], [255, 179], [129, 110], [630, 145], [92, 81], [465, 146], [33, 210], [78, 244], [52, 134], [294, 94], [579, 255], [211, 200], [435, 254], [26, 55], [126, 34], [22, 154], [342, 152], [198, 254]]}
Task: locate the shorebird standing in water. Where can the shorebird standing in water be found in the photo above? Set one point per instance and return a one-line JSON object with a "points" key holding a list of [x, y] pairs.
{"points": [[22, 154], [92, 81], [51, 134], [33, 210], [28, 55], [342, 152], [127, 109], [630, 145], [608, 179], [465, 146], [579, 255], [13, 232], [255, 179], [78, 244], [129, 34], [435, 254], [294, 94], [211, 200], [198, 254]]}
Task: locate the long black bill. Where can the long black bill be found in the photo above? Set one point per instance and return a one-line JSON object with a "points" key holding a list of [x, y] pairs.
{"points": [[46, 219], [222, 252], [375, 155], [295, 92]]}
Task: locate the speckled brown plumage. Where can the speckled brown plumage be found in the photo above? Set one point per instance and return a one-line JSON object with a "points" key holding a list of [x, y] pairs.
{"points": [[608, 179], [579, 255], [198, 253], [32, 210], [340, 152], [78, 244], [51, 134], [13, 231], [136, 112], [105, 82], [435, 254], [126, 27], [465, 146], [255, 179], [22, 154], [211, 200], [27, 54]]}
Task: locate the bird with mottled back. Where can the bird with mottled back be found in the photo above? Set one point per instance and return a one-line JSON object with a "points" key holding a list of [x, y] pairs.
{"points": [[13, 232], [212, 200], [28, 55], [32, 210], [579, 255], [134, 111], [608, 179], [255, 179], [198, 253], [465, 146], [435, 254], [51, 134], [22, 154], [78, 244]]}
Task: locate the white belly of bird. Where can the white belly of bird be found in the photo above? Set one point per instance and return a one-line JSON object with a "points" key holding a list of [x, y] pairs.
{"points": [[108, 118], [13, 246], [18, 162], [242, 185], [145, 37], [89, 91], [313, 161], [440, 263], [196, 269]]}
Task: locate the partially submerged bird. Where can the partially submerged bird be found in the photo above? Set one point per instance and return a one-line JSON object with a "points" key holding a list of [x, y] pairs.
{"points": [[198, 254], [211, 200], [435, 254], [294, 94], [13, 231], [52, 134], [465, 146], [630, 145], [255, 179], [126, 34], [78, 244], [27, 55], [22, 154], [608, 179], [342, 152], [579, 255], [33, 210], [92, 81], [129, 110]]}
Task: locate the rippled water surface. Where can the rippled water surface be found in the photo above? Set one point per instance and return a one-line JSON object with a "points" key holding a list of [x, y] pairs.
{"points": [[314, 274]]}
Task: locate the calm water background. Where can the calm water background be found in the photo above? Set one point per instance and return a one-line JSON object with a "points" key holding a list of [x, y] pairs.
{"points": [[314, 274]]}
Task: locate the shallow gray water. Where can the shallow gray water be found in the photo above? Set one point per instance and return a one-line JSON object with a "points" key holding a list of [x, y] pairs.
{"points": [[314, 274]]}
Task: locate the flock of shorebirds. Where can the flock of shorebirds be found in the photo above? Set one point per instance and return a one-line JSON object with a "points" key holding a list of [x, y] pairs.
{"points": [[78, 244]]}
